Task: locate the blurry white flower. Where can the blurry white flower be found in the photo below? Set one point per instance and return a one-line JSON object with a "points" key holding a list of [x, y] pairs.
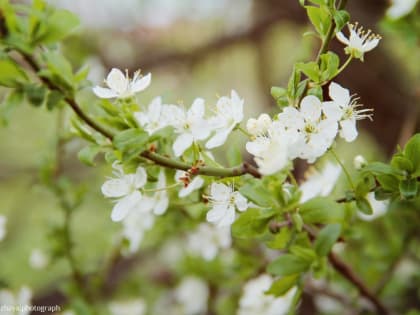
{"points": [[121, 86], [192, 295], [359, 41], [38, 259], [20, 301], [3, 221], [229, 113], [327, 305], [135, 225], [359, 162], [130, 307], [379, 207], [400, 8], [344, 109], [255, 301], [224, 200], [189, 185], [207, 240], [125, 189], [189, 125], [312, 134], [320, 183], [154, 118]]}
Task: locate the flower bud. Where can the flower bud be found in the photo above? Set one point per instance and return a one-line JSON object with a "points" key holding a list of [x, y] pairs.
{"points": [[359, 162]]}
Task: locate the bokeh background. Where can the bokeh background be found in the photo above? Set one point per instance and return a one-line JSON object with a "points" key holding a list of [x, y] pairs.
{"points": [[193, 48]]}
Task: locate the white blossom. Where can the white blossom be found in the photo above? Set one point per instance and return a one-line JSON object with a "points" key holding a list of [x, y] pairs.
{"points": [[379, 208], [359, 162], [207, 240], [312, 133], [135, 225], [190, 125], [20, 301], [142, 217], [224, 200], [254, 300], [359, 41], [189, 185], [270, 145], [38, 259], [400, 8], [121, 86], [229, 113], [192, 295], [345, 110], [320, 183], [125, 189], [155, 118], [129, 307], [3, 221]]}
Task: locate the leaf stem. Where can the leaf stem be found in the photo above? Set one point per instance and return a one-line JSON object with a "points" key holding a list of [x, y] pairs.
{"points": [[343, 168]]}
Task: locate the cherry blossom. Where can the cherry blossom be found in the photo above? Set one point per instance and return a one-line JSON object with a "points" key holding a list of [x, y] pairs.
{"points": [[359, 41], [121, 86], [224, 200]]}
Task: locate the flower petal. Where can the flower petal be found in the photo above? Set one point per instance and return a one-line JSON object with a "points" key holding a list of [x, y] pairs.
{"points": [[104, 92], [141, 84], [183, 142], [332, 110], [219, 138], [310, 107], [125, 205], [342, 38], [240, 201], [117, 81], [348, 130], [140, 177], [370, 44], [339, 94], [115, 188]]}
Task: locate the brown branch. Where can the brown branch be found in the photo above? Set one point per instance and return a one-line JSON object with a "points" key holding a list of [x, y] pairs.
{"points": [[346, 271]]}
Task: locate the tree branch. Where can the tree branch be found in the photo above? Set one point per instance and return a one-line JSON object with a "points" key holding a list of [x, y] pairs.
{"points": [[243, 169]]}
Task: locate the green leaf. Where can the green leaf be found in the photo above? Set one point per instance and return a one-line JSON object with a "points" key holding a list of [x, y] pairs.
{"points": [[287, 265], [250, 224], [293, 84], [281, 239], [12, 100], [310, 69], [305, 253], [379, 168], [365, 184], [281, 286], [297, 221], [257, 193], [326, 239], [329, 66], [409, 188], [131, 142], [59, 69], [341, 18], [53, 100], [234, 155], [322, 210], [364, 206], [403, 163], [412, 152], [59, 25], [87, 154], [35, 94], [11, 75], [320, 19], [388, 182]]}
